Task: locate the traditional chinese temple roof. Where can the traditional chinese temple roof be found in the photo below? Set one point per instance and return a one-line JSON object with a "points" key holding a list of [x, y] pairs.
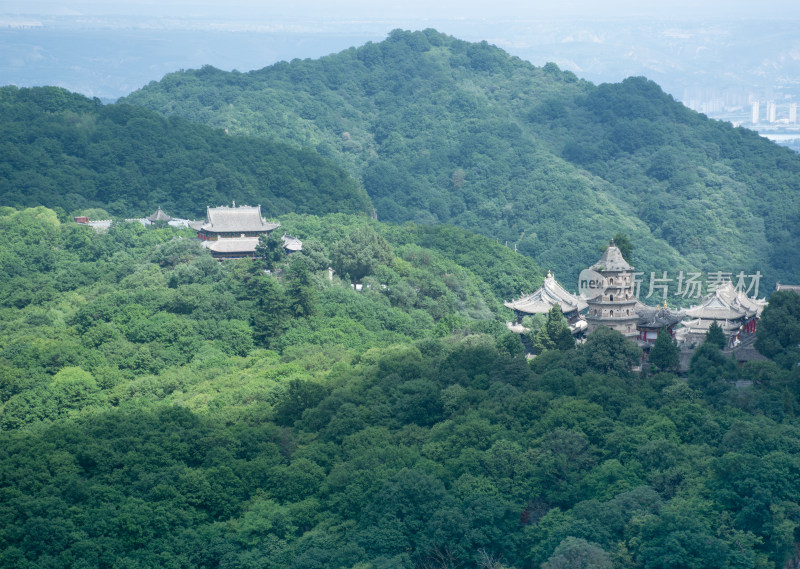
{"points": [[230, 245], [247, 245], [657, 316], [242, 219], [727, 303], [292, 243], [612, 260], [547, 296], [694, 331], [159, 215]]}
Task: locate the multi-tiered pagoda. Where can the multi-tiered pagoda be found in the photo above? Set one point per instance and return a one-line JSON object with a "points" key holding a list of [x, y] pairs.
{"points": [[615, 307]]}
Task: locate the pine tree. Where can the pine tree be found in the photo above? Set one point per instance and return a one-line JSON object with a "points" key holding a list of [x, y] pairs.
{"points": [[302, 296], [272, 311], [270, 249], [665, 354], [555, 334], [715, 336]]}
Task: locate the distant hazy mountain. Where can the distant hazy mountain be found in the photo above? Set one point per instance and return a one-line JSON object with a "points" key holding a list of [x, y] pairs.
{"points": [[441, 130], [694, 58]]}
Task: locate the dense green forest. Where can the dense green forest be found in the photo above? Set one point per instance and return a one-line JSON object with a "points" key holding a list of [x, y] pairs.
{"points": [[442, 130], [161, 409], [62, 150]]}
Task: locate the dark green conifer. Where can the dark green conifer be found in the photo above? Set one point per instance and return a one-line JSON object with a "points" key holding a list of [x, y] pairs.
{"points": [[715, 336], [555, 334], [665, 353]]}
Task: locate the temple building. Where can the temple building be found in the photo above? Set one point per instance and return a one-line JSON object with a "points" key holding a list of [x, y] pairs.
{"points": [[158, 217], [233, 232], [652, 319], [735, 312], [615, 307], [226, 222], [551, 293], [242, 247]]}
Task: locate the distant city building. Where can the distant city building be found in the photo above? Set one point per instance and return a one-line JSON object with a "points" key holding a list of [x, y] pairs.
{"points": [[792, 113], [771, 111], [755, 115]]}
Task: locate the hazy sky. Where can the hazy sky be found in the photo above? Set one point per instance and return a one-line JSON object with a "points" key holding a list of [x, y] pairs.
{"points": [[717, 43], [411, 9]]}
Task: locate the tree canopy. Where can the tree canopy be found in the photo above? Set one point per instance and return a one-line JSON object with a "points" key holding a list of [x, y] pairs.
{"points": [[665, 354], [778, 333], [161, 409], [555, 333], [64, 150]]}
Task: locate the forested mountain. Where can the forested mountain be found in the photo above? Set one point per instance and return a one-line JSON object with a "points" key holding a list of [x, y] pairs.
{"points": [[60, 149], [161, 409], [441, 130]]}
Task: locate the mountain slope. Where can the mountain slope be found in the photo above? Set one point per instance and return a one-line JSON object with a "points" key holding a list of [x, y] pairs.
{"points": [[61, 149], [441, 130], [161, 409]]}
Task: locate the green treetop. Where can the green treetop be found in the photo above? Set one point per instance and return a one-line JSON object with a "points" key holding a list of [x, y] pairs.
{"points": [[715, 336], [360, 253], [555, 334], [270, 250], [665, 353], [778, 334], [623, 243]]}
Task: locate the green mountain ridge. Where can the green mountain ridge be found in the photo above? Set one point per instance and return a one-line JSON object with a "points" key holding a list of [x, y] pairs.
{"points": [[61, 149], [441, 130]]}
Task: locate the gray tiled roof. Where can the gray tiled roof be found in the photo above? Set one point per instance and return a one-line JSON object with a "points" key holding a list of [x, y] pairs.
{"points": [[612, 260], [727, 303], [247, 244], [242, 219], [657, 316], [159, 215], [548, 295], [292, 243], [233, 245]]}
